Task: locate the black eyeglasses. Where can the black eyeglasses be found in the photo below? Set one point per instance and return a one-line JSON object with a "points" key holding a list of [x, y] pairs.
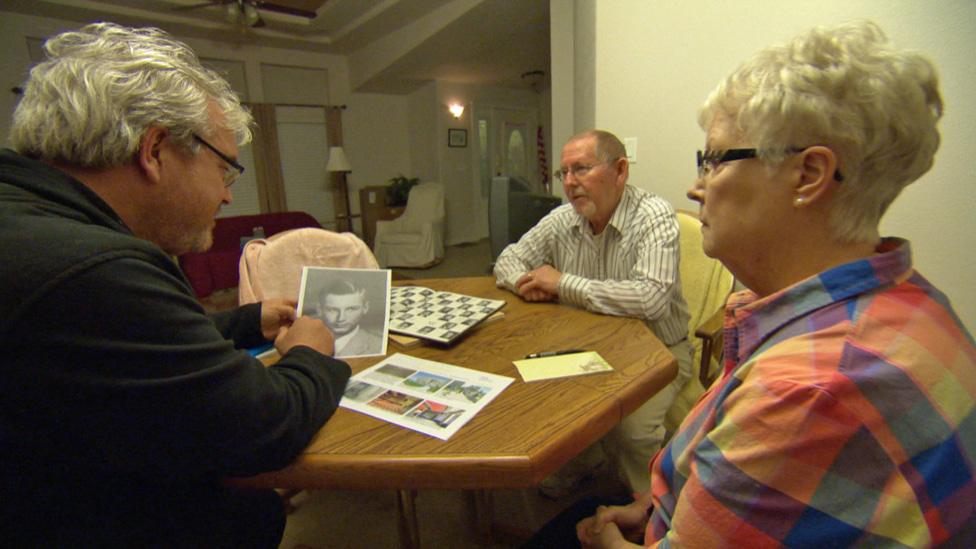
{"points": [[709, 161], [231, 175]]}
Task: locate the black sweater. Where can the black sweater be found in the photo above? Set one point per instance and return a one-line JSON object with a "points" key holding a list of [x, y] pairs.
{"points": [[115, 384]]}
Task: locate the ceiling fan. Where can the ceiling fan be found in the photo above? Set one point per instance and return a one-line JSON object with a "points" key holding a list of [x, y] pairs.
{"points": [[245, 12]]}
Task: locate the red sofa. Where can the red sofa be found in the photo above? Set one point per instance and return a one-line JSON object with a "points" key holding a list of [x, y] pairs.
{"points": [[217, 268]]}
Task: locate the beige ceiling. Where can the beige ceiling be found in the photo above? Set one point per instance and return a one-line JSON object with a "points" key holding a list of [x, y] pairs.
{"points": [[484, 42]]}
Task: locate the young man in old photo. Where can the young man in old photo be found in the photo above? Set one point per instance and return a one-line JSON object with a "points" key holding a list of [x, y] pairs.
{"points": [[342, 305]]}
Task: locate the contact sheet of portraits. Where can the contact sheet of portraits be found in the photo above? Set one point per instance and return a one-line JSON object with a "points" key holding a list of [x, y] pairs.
{"points": [[437, 316]]}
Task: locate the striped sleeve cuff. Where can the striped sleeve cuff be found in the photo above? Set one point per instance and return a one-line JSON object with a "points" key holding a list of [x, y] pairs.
{"points": [[572, 289], [506, 280]]}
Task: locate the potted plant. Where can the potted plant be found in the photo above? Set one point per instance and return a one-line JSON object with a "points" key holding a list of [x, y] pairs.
{"points": [[399, 189]]}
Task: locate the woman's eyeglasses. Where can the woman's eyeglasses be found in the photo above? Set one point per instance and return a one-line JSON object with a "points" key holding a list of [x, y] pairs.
{"points": [[709, 160]]}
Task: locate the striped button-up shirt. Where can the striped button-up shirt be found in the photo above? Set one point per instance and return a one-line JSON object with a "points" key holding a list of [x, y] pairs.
{"points": [[846, 416], [630, 269]]}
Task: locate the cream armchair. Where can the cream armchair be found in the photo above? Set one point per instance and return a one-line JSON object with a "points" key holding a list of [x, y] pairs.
{"points": [[416, 238]]}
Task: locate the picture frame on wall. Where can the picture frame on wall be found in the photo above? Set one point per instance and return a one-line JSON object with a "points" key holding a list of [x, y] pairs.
{"points": [[457, 137]]}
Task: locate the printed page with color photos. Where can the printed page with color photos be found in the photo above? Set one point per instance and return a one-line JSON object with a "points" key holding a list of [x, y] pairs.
{"points": [[429, 397]]}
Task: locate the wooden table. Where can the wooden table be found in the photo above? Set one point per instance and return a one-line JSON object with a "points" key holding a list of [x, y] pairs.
{"points": [[529, 431]]}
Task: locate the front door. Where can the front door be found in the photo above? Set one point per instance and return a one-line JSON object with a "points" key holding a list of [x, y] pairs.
{"points": [[506, 145]]}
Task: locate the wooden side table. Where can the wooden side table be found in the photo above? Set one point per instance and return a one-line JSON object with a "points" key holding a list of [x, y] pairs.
{"points": [[373, 208]]}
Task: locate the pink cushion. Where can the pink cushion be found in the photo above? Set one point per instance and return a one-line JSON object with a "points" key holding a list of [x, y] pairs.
{"points": [[272, 267]]}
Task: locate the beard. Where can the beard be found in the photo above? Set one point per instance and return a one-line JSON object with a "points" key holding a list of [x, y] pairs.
{"points": [[587, 210], [176, 237], [187, 241], [199, 241]]}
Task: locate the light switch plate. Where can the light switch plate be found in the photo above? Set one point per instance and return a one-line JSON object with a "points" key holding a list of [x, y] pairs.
{"points": [[630, 143]]}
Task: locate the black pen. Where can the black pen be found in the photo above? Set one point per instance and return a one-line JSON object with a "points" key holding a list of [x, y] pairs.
{"points": [[555, 353]]}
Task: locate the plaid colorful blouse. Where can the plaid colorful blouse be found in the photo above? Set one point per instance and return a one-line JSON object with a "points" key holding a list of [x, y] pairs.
{"points": [[846, 416]]}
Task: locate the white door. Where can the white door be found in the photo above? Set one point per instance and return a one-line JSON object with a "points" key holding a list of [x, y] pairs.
{"points": [[506, 145], [515, 147]]}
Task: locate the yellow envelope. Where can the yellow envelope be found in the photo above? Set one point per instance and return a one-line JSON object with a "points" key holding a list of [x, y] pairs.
{"points": [[576, 364]]}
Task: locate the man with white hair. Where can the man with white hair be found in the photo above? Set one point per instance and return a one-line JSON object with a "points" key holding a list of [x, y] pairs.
{"points": [[613, 250], [124, 404]]}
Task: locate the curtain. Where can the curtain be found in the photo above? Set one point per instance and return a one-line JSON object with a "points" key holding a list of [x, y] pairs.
{"points": [[267, 163], [337, 180], [267, 159]]}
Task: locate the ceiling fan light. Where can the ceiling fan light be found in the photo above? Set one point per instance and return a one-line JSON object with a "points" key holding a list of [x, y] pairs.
{"points": [[250, 15]]}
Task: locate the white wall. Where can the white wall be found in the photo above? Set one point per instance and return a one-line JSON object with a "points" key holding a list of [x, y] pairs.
{"points": [[457, 167], [657, 61], [423, 124], [585, 65], [376, 140], [562, 45]]}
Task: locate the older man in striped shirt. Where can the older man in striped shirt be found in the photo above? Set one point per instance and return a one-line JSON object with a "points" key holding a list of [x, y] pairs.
{"points": [[613, 250]]}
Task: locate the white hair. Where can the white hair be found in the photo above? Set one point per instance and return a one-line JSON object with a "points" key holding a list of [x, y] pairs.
{"points": [[844, 88], [102, 86]]}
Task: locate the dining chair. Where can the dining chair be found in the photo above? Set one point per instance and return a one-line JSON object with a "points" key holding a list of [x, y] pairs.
{"points": [[272, 267]]}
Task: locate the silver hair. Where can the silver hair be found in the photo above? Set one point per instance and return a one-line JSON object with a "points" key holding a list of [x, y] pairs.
{"points": [[102, 86], [845, 88]]}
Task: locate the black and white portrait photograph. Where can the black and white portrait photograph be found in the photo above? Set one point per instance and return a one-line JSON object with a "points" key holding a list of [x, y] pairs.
{"points": [[353, 304]]}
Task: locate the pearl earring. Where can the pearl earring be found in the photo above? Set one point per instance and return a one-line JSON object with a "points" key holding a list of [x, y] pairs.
{"points": [[798, 201]]}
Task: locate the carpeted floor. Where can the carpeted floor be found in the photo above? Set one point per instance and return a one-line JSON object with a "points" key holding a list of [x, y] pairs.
{"points": [[345, 518], [471, 259]]}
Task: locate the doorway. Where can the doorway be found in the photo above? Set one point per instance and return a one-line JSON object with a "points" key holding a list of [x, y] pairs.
{"points": [[506, 145]]}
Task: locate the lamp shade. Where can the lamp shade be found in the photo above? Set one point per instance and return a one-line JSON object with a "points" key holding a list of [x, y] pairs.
{"points": [[338, 161]]}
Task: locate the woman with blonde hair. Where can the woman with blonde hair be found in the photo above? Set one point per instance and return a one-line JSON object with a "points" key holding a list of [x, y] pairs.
{"points": [[846, 412]]}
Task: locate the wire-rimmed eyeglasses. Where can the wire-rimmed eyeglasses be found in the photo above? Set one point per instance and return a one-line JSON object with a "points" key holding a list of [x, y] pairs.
{"points": [[576, 170]]}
